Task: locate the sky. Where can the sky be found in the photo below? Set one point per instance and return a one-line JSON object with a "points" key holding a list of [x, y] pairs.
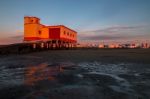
{"points": [[94, 20]]}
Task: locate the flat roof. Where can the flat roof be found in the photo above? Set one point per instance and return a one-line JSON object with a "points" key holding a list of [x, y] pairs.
{"points": [[62, 26], [31, 17]]}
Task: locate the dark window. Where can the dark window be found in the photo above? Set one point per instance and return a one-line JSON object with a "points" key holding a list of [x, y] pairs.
{"points": [[64, 32], [39, 32], [31, 20], [37, 21]]}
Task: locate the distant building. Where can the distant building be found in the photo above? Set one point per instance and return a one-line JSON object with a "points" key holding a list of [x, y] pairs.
{"points": [[113, 46], [132, 45], [145, 45], [101, 46], [79, 45]]}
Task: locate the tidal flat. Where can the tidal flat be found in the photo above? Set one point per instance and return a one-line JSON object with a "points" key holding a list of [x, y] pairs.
{"points": [[76, 74]]}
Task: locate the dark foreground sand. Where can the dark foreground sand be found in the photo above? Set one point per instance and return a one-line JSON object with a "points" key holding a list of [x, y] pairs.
{"points": [[76, 74]]}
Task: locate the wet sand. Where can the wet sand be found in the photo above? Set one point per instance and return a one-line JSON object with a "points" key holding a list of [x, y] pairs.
{"points": [[76, 74]]}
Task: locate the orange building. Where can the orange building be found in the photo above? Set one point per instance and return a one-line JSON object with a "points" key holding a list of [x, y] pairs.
{"points": [[59, 34]]}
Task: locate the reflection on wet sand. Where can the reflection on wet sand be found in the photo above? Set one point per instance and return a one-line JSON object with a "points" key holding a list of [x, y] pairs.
{"points": [[35, 74]]}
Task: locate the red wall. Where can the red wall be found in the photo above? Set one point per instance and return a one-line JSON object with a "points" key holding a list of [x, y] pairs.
{"points": [[54, 33], [31, 38]]}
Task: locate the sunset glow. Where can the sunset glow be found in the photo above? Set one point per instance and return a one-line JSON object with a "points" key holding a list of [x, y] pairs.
{"points": [[94, 20]]}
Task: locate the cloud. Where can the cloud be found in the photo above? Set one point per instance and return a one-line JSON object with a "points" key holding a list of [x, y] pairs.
{"points": [[101, 37], [115, 29], [112, 33], [11, 40], [17, 37]]}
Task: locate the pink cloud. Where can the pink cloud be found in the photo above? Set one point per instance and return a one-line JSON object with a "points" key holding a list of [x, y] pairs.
{"points": [[115, 33], [11, 40]]}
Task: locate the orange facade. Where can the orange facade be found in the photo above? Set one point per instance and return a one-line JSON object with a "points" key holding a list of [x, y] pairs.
{"points": [[33, 30]]}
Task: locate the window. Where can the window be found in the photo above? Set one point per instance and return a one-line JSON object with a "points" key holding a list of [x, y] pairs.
{"points": [[64, 32], [68, 33], [31, 20], [37, 21], [39, 32]]}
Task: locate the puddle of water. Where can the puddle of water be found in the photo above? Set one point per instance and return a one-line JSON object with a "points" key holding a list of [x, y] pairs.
{"points": [[29, 75], [34, 74]]}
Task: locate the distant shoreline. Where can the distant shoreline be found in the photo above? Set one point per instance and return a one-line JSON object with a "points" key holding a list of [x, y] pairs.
{"points": [[22, 48]]}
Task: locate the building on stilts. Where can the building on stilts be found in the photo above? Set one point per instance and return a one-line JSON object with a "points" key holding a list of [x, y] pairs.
{"points": [[48, 37]]}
